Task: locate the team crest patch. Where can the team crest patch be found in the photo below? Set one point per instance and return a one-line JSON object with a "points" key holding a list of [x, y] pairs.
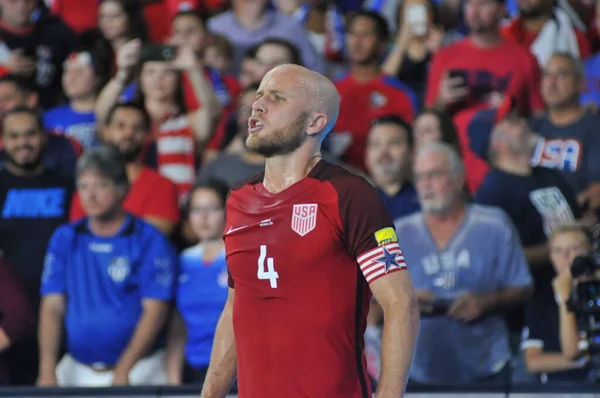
{"points": [[385, 236], [118, 269], [304, 218], [378, 100]]}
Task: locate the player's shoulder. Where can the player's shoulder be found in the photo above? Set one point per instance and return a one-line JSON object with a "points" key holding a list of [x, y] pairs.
{"points": [[411, 221], [451, 49], [154, 178], [195, 252], [67, 232], [58, 111], [342, 179], [396, 84], [341, 79]]}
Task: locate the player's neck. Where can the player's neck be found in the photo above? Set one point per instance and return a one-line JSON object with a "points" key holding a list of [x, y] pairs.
{"points": [[281, 172], [535, 24], [109, 226], [516, 165], [365, 72], [391, 188], [158, 109], [134, 169], [565, 115], [486, 39], [212, 248], [252, 158]]}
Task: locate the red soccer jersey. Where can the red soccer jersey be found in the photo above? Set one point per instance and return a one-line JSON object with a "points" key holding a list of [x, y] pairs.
{"points": [[361, 102], [508, 69], [300, 262], [150, 195]]}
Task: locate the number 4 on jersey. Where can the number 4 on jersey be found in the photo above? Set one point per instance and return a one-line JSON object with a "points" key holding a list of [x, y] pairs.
{"points": [[268, 273]]}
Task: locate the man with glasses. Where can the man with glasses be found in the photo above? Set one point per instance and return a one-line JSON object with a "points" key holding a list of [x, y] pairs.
{"points": [[467, 267]]}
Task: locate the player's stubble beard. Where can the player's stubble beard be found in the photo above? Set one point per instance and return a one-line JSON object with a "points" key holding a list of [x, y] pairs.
{"points": [[131, 154], [280, 142], [28, 167]]}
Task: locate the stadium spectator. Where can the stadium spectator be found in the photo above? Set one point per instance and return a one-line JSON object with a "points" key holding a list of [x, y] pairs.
{"points": [[17, 322], [60, 153], [237, 163], [365, 91], [81, 82], [418, 38], [570, 141], [202, 288], [150, 196], [35, 201], [273, 52], [551, 341], [248, 67], [178, 133], [250, 22], [546, 28], [432, 125], [537, 200], [468, 266], [109, 277], [35, 48], [218, 54], [188, 29], [324, 24], [388, 158], [478, 72]]}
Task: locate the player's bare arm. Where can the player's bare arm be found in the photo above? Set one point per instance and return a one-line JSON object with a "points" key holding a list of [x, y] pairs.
{"points": [[52, 314], [396, 296], [154, 316], [223, 360]]}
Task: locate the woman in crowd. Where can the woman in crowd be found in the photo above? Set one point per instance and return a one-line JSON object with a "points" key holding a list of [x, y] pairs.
{"points": [[432, 125], [202, 288]]}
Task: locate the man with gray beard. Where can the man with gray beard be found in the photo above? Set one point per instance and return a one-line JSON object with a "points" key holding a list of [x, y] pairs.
{"points": [[467, 268], [388, 157]]}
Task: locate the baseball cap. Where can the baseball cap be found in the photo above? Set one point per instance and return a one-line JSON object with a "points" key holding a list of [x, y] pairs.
{"points": [[480, 128]]}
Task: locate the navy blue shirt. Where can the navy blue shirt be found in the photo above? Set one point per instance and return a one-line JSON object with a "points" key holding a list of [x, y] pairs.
{"points": [[32, 208], [66, 121], [201, 296], [404, 203], [105, 280]]}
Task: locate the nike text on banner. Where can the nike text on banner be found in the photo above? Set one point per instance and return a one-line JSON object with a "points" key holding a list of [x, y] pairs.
{"points": [[381, 260]]}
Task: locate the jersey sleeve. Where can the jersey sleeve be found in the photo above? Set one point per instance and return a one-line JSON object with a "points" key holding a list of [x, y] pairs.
{"points": [[158, 267], [369, 230], [536, 103], [53, 274]]}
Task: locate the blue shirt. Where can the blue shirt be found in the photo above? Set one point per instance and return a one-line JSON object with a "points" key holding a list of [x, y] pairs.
{"points": [[592, 81], [483, 256], [403, 203], [105, 280], [79, 126], [201, 296]]}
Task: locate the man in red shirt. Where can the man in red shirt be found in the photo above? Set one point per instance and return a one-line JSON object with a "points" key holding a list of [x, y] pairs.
{"points": [[366, 93], [151, 196], [546, 29], [478, 72], [306, 244]]}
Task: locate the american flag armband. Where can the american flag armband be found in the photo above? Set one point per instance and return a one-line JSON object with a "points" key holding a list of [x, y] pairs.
{"points": [[383, 259]]}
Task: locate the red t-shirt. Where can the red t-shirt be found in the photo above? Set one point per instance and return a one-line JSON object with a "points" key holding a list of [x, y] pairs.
{"points": [[150, 195], [508, 69], [361, 102], [300, 262], [514, 31], [80, 15], [227, 89]]}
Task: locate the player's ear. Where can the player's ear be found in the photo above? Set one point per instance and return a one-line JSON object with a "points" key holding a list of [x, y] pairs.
{"points": [[316, 124]]}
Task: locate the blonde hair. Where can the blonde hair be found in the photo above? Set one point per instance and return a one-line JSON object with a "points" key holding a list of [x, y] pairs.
{"points": [[575, 227]]}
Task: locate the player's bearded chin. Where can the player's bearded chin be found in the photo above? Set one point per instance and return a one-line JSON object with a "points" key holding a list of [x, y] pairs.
{"points": [[29, 166], [280, 142]]}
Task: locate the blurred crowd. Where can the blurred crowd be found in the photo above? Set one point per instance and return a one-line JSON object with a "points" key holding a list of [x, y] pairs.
{"points": [[475, 120]]}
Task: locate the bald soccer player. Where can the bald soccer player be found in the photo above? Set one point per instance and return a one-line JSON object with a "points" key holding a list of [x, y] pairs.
{"points": [[307, 246]]}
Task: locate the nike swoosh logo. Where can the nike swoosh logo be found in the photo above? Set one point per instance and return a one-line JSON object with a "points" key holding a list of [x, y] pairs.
{"points": [[231, 229]]}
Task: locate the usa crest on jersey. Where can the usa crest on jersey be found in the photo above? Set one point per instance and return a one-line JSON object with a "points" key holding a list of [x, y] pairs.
{"points": [[304, 218]]}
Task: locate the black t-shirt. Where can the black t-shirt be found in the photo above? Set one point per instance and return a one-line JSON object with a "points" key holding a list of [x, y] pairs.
{"points": [[32, 208], [542, 321], [51, 41], [536, 204]]}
